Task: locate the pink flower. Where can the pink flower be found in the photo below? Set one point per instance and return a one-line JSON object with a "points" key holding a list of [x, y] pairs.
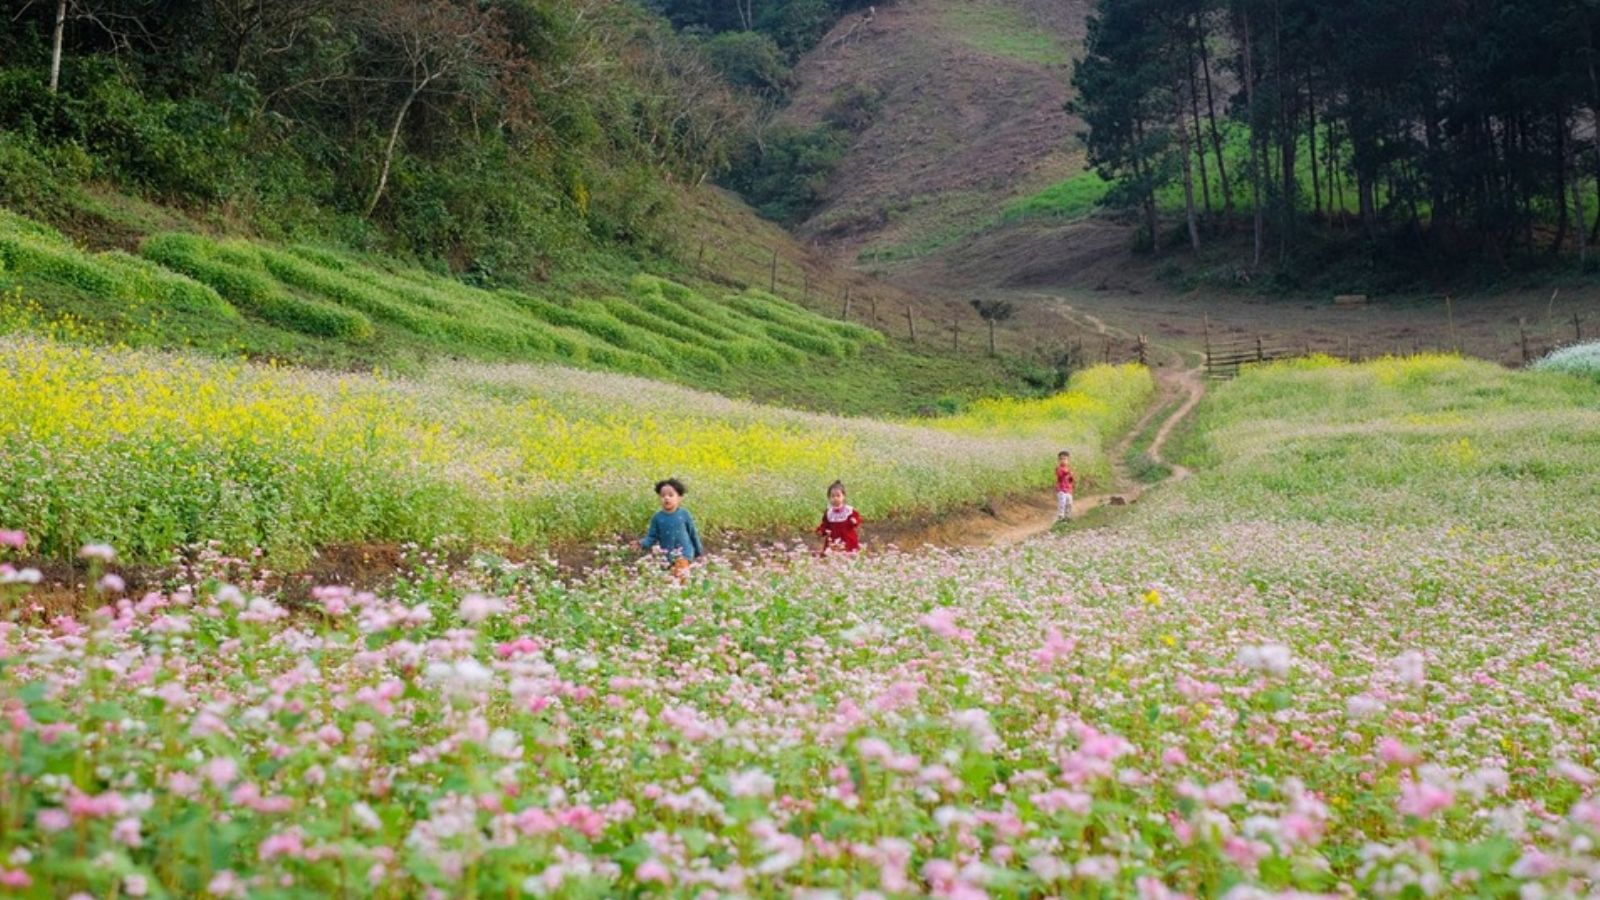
{"points": [[1174, 757], [1395, 753], [135, 885], [476, 607], [1575, 773], [112, 583], [287, 843], [330, 735], [1410, 667], [519, 647], [225, 884], [53, 819], [1151, 888], [1300, 828], [126, 832], [1421, 799], [1244, 852], [16, 540], [99, 806], [221, 771], [1535, 864], [102, 552], [750, 783], [652, 870], [942, 622], [1056, 648], [1074, 802], [14, 878]]}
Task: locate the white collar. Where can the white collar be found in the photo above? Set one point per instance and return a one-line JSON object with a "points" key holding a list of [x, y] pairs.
{"points": [[844, 513]]}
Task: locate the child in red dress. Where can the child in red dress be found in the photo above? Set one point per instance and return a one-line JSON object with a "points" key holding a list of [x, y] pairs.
{"points": [[839, 523]]}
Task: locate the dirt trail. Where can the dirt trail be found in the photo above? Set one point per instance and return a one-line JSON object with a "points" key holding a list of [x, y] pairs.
{"points": [[1021, 518]]}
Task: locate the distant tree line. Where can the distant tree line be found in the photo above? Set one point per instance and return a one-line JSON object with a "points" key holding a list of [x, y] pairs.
{"points": [[1455, 126], [497, 134]]}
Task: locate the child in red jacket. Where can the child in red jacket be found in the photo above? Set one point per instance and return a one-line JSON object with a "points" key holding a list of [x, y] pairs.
{"points": [[840, 523], [1065, 482]]}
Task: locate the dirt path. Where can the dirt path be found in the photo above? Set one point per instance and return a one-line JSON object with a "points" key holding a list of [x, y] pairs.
{"points": [[1023, 519]]}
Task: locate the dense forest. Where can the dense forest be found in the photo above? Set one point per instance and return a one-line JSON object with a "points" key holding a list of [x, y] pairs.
{"points": [[502, 136], [1456, 128]]}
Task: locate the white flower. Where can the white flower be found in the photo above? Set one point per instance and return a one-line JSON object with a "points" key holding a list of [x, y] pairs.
{"points": [[1274, 659], [1410, 668], [750, 783], [476, 607], [1363, 706], [505, 743]]}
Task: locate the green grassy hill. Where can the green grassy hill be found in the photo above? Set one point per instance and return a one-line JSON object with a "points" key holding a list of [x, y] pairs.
{"points": [[314, 305]]}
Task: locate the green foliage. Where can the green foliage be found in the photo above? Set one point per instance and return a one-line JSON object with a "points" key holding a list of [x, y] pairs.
{"points": [[545, 134], [42, 256], [751, 61], [785, 174], [853, 107], [1071, 198], [253, 289], [795, 25]]}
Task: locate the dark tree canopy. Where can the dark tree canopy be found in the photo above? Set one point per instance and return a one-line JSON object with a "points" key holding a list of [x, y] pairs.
{"points": [[1459, 127]]}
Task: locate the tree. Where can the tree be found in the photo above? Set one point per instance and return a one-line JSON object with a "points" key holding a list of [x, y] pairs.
{"points": [[1121, 83], [751, 61], [992, 311], [455, 49]]}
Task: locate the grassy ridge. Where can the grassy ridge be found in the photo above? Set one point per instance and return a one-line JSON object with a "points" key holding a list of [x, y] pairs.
{"points": [[658, 329], [168, 450]]}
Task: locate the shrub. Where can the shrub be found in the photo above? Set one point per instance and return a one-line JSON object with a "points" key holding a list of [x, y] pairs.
{"points": [[59, 263], [336, 286], [254, 291], [853, 107], [785, 177], [174, 290], [749, 60], [784, 326], [690, 344], [1582, 359], [747, 333]]}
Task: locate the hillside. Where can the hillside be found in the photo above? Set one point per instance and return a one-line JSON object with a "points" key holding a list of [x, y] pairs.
{"points": [[969, 115]]}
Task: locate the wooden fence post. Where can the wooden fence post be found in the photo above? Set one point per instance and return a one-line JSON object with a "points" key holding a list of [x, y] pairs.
{"points": [[1107, 354], [1522, 329], [873, 300], [1348, 357], [699, 261], [955, 332], [806, 276], [846, 315], [1577, 328], [1260, 357], [1206, 319], [1450, 317], [773, 281], [911, 324], [1143, 357]]}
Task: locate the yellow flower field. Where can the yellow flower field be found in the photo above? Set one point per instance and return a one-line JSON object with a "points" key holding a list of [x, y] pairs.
{"points": [[154, 451]]}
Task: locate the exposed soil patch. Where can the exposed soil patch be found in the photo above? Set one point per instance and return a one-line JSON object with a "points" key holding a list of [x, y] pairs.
{"points": [[965, 122]]}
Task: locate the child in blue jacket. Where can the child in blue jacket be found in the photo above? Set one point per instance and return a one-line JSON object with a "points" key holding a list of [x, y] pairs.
{"points": [[672, 530]]}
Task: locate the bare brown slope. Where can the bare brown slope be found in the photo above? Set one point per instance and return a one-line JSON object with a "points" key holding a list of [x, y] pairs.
{"points": [[972, 115]]}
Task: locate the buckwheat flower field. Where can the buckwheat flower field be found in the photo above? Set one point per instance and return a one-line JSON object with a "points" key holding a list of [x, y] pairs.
{"points": [[153, 451], [1210, 699]]}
